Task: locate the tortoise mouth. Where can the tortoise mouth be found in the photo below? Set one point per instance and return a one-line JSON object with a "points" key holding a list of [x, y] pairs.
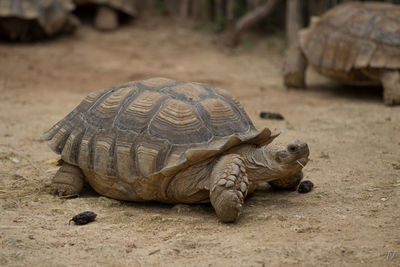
{"points": [[303, 161], [297, 153]]}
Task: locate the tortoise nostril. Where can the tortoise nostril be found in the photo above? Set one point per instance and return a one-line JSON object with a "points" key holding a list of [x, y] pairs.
{"points": [[292, 148]]}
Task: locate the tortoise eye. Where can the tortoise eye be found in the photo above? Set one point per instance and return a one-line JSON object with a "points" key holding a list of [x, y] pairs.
{"points": [[292, 148]]}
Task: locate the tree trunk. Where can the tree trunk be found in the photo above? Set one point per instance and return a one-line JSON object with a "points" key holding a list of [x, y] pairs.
{"points": [[294, 21]]}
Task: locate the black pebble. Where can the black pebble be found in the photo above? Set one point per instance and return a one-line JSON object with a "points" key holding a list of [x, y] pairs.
{"points": [[84, 217], [305, 187]]}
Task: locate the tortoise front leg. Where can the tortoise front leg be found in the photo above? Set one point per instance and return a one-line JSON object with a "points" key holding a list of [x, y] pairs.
{"points": [[228, 188], [289, 183], [68, 180], [390, 80]]}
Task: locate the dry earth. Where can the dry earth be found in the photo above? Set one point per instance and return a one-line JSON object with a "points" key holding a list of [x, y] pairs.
{"points": [[351, 217]]}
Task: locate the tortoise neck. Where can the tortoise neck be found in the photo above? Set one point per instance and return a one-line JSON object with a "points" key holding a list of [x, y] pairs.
{"points": [[259, 164]]}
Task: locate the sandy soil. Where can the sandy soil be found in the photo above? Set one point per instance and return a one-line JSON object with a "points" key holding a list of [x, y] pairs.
{"points": [[351, 217]]}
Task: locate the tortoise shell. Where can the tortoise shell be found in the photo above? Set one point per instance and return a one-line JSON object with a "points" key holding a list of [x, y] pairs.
{"points": [[149, 127], [126, 6], [49, 16], [354, 35]]}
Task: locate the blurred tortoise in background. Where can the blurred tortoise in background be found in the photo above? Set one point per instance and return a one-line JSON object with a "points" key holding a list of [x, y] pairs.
{"points": [[107, 11], [25, 20], [173, 142], [352, 43]]}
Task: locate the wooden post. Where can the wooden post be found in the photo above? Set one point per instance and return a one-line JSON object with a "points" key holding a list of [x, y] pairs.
{"points": [[250, 19]]}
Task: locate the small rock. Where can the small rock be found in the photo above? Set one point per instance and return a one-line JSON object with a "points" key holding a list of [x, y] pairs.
{"points": [[13, 159], [384, 198]]}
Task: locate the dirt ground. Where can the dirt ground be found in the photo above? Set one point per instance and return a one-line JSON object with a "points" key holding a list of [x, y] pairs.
{"points": [[351, 217]]}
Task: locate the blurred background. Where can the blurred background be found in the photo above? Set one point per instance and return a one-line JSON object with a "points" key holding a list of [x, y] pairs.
{"points": [[54, 52]]}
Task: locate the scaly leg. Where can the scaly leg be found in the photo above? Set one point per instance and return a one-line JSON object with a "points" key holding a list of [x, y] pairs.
{"points": [[228, 188], [294, 67], [391, 87], [68, 180], [289, 183], [106, 18]]}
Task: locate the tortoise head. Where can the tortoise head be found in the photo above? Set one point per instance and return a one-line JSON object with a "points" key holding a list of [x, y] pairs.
{"points": [[290, 159], [295, 154], [276, 161]]}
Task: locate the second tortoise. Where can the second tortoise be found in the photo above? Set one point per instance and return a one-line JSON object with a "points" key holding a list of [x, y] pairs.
{"points": [[108, 11], [354, 43], [27, 20]]}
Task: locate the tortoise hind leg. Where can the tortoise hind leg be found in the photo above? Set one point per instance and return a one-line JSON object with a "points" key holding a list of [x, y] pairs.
{"points": [[229, 186], [391, 87], [67, 181], [106, 18]]}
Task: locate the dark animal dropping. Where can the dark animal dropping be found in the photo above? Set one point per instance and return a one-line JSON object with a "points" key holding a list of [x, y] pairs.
{"points": [[305, 187], [84, 218], [271, 115]]}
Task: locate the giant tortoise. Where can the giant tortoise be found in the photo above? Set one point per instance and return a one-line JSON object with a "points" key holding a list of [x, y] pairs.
{"points": [[354, 43], [173, 142]]}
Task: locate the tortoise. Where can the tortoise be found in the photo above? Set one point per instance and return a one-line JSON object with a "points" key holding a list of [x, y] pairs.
{"points": [[354, 43], [107, 11], [24, 20], [172, 142]]}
